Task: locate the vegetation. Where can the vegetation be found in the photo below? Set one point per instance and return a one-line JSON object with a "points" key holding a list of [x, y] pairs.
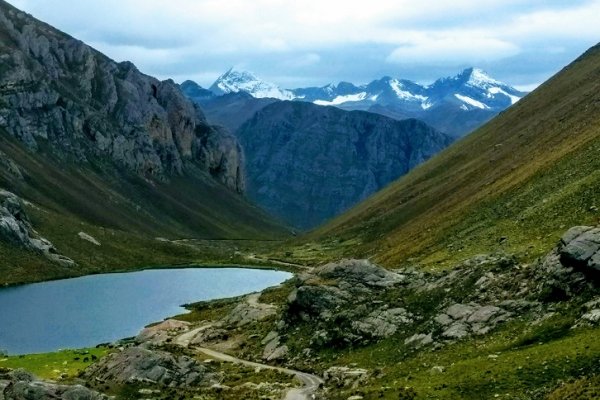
{"points": [[514, 185], [61, 365], [138, 223]]}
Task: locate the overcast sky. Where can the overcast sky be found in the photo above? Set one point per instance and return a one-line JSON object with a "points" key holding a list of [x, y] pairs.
{"points": [[315, 42]]}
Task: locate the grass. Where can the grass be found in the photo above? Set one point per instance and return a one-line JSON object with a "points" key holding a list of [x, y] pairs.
{"points": [[484, 367], [63, 365], [515, 185]]}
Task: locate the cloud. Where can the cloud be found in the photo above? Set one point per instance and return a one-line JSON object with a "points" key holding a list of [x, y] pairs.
{"points": [[357, 38], [453, 47]]}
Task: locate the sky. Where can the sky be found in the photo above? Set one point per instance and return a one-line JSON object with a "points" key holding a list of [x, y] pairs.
{"points": [[316, 42]]}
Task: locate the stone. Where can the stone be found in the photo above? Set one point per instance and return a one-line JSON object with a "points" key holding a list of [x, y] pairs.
{"points": [[358, 271], [16, 228], [457, 330], [438, 369], [443, 319], [245, 313], [581, 248], [592, 316], [270, 336], [278, 353], [140, 365], [88, 238], [483, 314], [382, 323], [21, 385], [419, 340], [460, 311], [345, 376]]}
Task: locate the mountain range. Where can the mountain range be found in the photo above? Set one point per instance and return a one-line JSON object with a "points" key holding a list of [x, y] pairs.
{"points": [[455, 105]]}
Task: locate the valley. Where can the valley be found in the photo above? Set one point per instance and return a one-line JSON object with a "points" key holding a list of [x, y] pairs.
{"points": [[331, 242]]}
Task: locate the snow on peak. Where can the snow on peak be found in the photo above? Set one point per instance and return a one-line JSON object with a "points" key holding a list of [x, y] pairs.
{"points": [[479, 78], [234, 81], [496, 90], [470, 101], [342, 99], [398, 88]]}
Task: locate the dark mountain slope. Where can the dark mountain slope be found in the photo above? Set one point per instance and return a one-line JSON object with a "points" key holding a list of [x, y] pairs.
{"points": [[515, 184], [233, 109], [307, 163]]}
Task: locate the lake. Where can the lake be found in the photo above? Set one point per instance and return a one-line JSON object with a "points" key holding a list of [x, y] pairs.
{"points": [[83, 312]]}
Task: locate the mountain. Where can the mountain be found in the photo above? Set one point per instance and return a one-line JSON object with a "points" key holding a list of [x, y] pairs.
{"points": [[91, 147], [454, 105], [513, 186], [234, 81], [233, 109], [307, 163], [195, 92]]}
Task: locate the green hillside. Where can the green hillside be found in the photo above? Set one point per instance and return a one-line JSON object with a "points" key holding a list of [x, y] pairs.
{"points": [[514, 185]]}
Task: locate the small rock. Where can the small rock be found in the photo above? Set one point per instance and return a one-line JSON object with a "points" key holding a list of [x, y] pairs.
{"points": [[88, 238], [457, 330], [438, 369], [592, 316]]}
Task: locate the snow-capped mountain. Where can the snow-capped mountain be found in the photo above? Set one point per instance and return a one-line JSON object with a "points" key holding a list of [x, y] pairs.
{"points": [[234, 81], [455, 105], [472, 88]]}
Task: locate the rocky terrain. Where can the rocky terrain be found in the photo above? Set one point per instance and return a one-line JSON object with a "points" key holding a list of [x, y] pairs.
{"points": [[56, 91], [16, 228], [307, 164], [346, 330]]}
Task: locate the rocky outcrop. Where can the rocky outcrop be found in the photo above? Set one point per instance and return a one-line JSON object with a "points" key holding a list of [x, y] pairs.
{"points": [[461, 320], [152, 367], [307, 163], [580, 247], [56, 91], [20, 385], [16, 229]]}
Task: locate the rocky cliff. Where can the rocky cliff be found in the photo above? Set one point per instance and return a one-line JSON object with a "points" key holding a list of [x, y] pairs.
{"points": [[307, 163], [57, 92]]}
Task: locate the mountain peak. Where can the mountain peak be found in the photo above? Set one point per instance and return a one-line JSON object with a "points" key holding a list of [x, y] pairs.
{"points": [[480, 78], [235, 80]]}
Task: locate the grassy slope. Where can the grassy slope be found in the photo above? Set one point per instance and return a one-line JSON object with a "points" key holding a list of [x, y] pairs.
{"points": [[526, 176], [123, 212]]}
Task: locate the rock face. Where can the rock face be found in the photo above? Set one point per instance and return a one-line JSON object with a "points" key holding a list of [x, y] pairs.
{"points": [[580, 247], [20, 385], [56, 91], [306, 163], [137, 364], [16, 229]]}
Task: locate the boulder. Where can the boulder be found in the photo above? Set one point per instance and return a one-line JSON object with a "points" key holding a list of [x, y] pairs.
{"points": [[580, 248], [16, 228], [382, 323], [23, 386], [137, 364], [317, 301], [358, 271], [245, 313]]}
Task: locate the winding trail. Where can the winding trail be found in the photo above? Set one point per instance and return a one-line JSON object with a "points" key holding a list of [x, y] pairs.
{"points": [[307, 392], [311, 383]]}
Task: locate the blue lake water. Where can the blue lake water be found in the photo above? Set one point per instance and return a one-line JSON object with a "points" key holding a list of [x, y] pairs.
{"points": [[82, 312]]}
